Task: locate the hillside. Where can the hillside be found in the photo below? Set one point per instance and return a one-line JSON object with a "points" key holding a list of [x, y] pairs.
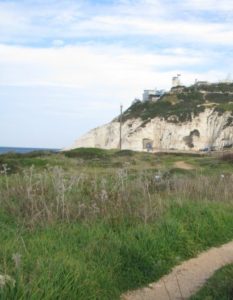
{"points": [[181, 104], [185, 118]]}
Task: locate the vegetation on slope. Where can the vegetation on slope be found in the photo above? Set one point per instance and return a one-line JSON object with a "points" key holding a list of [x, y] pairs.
{"points": [[87, 153], [182, 110], [217, 87], [79, 230], [183, 105]]}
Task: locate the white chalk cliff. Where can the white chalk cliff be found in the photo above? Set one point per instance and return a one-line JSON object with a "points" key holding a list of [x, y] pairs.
{"points": [[208, 129], [185, 118]]}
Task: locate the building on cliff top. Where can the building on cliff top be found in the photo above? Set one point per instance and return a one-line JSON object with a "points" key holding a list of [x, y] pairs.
{"points": [[199, 83], [152, 95], [177, 86], [176, 80]]}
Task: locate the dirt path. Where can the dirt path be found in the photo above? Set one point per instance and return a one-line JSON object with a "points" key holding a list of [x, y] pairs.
{"points": [[187, 278], [183, 165]]}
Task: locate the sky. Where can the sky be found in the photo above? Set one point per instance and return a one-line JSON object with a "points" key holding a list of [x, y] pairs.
{"points": [[66, 66]]}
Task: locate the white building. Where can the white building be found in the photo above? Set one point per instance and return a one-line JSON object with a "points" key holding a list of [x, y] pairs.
{"points": [[152, 95], [176, 80], [148, 94], [199, 83]]}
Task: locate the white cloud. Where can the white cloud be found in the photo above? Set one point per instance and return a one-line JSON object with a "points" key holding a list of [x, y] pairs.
{"points": [[100, 74], [209, 5], [174, 21], [88, 67], [72, 61]]}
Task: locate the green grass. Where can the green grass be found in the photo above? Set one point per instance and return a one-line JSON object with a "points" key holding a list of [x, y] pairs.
{"points": [[220, 286], [100, 261], [40, 159], [85, 231]]}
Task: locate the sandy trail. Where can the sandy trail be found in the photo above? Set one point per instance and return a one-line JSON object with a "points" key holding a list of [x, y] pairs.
{"points": [[187, 278], [183, 165]]}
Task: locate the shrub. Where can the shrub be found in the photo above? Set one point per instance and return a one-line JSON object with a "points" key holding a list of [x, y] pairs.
{"points": [[223, 107], [219, 98], [227, 157], [196, 97], [124, 153], [87, 153], [32, 154], [217, 87]]}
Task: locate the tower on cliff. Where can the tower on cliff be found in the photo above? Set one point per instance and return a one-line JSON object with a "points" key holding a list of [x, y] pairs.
{"points": [[176, 80]]}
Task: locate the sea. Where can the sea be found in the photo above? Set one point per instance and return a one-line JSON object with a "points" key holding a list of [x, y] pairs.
{"points": [[4, 150]]}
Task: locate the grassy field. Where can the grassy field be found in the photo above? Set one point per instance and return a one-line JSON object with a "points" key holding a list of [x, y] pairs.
{"points": [[91, 224]]}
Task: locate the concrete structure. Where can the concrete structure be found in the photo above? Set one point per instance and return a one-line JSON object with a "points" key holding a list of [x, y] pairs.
{"points": [[199, 83], [152, 95], [148, 94], [176, 80]]}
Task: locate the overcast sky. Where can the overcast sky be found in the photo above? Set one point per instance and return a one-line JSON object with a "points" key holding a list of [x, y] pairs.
{"points": [[67, 65]]}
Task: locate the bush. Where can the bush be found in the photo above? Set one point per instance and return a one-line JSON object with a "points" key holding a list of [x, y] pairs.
{"points": [[183, 106], [183, 110], [124, 153], [227, 157], [196, 97], [87, 153], [223, 107], [217, 87], [219, 98], [15, 162]]}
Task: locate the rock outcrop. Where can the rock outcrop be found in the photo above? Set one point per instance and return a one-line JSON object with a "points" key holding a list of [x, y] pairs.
{"points": [[208, 129], [194, 118]]}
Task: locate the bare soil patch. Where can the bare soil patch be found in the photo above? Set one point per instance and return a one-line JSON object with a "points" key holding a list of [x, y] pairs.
{"points": [[183, 165]]}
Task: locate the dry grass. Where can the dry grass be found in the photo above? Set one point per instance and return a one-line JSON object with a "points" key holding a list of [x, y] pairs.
{"points": [[53, 195], [86, 231]]}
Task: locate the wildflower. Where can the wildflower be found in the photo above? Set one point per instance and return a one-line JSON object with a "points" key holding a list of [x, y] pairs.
{"points": [[104, 195], [6, 279], [157, 177], [17, 259], [95, 208]]}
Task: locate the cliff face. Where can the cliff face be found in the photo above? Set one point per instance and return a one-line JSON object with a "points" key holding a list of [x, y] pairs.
{"points": [[186, 118], [207, 129]]}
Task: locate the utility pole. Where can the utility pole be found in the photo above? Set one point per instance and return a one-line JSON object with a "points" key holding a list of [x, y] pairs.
{"points": [[121, 108]]}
